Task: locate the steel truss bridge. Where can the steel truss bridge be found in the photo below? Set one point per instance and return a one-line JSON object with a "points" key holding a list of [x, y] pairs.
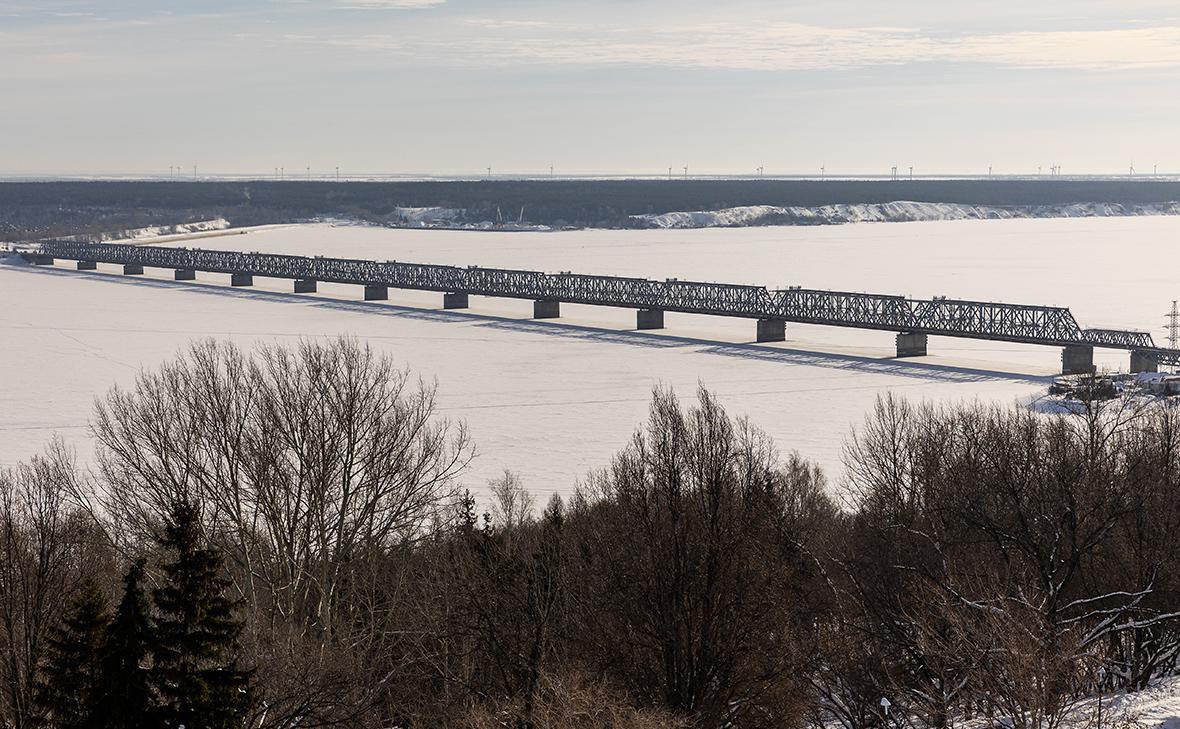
{"points": [[940, 316]]}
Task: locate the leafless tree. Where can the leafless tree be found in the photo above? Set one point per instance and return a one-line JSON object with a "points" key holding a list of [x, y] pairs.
{"points": [[998, 518], [312, 466], [45, 548], [695, 588]]}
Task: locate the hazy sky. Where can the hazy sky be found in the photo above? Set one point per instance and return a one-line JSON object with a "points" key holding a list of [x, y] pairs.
{"points": [[453, 86]]}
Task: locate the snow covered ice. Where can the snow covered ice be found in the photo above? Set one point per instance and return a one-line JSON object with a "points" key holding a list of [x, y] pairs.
{"points": [[554, 399]]}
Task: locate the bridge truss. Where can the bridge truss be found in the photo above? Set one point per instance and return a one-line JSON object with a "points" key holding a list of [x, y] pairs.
{"points": [[940, 316]]}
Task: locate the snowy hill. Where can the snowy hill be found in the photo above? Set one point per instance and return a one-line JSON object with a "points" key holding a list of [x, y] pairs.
{"points": [[891, 212]]}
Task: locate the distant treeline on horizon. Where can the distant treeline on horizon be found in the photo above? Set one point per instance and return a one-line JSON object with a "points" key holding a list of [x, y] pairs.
{"points": [[30, 210]]}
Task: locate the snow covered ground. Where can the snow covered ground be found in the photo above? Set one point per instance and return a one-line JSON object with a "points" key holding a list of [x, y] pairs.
{"points": [[1157, 707], [553, 399], [901, 211]]}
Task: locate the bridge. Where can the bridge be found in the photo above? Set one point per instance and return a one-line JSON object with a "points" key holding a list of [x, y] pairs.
{"points": [[914, 320]]}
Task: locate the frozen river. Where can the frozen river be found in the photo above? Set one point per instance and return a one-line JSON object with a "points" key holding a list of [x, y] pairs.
{"points": [[554, 399]]}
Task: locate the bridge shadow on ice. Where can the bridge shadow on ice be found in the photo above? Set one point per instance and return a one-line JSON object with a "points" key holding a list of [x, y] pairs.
{"points": [[633, 338]]}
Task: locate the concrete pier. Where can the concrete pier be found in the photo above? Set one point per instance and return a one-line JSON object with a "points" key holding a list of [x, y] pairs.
{"points": [[241, 279], [772, 330], [1145, 362], [455, 300], [305, 285], [543, 309], [911, 345], [87, 266], [1077, 360], [376, 293], [649, 319], [132, 269], [185, 274]]}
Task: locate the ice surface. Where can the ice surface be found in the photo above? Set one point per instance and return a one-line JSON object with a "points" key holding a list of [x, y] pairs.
{"points": [[554, 399]]}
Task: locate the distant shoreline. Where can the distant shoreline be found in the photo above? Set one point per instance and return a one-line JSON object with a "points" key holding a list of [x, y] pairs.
{"points": [[36, 210]]}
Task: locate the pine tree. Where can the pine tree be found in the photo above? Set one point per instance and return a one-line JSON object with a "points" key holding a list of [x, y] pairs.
{"points": [[195, 672], [72, 665], [123, 697]]}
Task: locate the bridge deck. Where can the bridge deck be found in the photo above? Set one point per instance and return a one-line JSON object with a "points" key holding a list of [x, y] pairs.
{"points": [[1023, 323]]}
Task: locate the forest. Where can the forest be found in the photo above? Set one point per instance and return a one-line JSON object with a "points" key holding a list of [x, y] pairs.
{"points": [[34, 210], [282, 537]]}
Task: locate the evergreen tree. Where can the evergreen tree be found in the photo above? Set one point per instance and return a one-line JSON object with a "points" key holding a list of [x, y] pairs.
{"points": [[195, 671], [72, 665], [123, 697]]}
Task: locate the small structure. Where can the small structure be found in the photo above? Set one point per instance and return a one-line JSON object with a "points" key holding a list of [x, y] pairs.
{"points": [[546, 309], [649, 319], [772, 330]]}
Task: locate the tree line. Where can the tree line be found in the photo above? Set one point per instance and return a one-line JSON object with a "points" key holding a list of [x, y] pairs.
{"points": [[33, 210], [278, 537]]}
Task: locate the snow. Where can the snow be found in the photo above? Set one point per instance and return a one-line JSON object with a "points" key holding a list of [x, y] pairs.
{"points": [[554, 399], [1157, 707], [891, 212], [157, 231], [426, 216]]}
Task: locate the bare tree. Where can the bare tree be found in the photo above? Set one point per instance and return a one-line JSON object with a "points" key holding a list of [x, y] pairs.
{"points": [[999, 519], [695, 587], [44, 546], [312, 467]]}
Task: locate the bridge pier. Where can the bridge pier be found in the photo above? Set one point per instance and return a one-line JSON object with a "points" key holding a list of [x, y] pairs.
{"points": [[910, 344], [545, 309], [184, 274], [649, 319], [1077, 360], [1144, 362], [305, 286], [376, 293], [87, 266], [455, 300], [132, 269], [241, 279], [772, 330]]}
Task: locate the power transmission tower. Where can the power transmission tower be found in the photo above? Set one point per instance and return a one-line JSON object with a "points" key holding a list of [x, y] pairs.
{"points": [[1173, 327]]}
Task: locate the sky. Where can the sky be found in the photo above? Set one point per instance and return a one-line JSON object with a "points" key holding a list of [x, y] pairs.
{"points": [[452, 87]]}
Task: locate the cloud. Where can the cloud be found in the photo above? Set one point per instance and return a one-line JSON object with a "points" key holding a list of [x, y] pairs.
{"points": [[1157, 47], [387, 4], [788, 47], [778, 46]]}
